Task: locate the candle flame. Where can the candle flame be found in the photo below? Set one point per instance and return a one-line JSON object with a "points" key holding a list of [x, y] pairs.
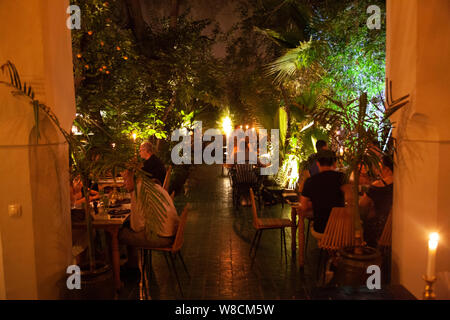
{"points": [[434, 239], [134, 136]]}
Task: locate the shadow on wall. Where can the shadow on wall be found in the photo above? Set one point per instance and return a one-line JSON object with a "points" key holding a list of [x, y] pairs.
{"points": [[49, 179]]}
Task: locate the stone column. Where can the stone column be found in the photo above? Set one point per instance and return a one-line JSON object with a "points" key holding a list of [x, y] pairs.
{"points": [[36, 245], [417, 62]]}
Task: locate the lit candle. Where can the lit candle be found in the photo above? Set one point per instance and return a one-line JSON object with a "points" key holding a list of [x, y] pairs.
{"points": [[432, 246]]}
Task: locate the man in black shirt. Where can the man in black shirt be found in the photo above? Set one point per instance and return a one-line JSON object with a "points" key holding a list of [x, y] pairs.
{"points": [[323, 191], [312, 159], [152, 164]]}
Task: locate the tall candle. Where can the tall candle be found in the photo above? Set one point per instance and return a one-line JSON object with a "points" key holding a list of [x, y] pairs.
{"points": [[432, 246]]}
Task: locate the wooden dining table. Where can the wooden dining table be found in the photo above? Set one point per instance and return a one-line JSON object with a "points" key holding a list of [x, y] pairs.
{"points": [[111, 225]]}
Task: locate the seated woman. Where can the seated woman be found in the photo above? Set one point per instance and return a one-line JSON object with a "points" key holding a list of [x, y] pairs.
{"points": [[378, 203], [79, 236], [77, 197]]}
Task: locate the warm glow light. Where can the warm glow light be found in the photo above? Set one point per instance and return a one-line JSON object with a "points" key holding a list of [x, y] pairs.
{"points": [[134, 135], [309, 125], [246, 127], [227, 125], [113, 145], [433, 242], [431, 262]]}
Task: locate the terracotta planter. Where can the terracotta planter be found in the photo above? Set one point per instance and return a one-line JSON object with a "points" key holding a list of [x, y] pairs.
{"points": [[97, 284], [352, 268]]}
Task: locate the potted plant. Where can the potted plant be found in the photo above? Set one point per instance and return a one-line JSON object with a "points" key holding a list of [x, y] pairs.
{"points": [[356, 128], [117, 153]]}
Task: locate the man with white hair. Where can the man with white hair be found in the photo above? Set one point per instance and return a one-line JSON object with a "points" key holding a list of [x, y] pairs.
{"points": [[152, 164]]}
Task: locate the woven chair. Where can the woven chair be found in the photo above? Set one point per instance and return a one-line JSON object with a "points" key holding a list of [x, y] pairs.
{"points": [[338, 234], [170, 252], [167, 178], [244, 177], [261, 224], [385, 240]]}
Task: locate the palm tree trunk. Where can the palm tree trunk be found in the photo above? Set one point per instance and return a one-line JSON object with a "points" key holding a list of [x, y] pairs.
{"points": [[287, 108], [88, 219], [175, 8]]}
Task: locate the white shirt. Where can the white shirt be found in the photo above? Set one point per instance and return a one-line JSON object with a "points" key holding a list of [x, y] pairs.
{"points": [[170, 222]]}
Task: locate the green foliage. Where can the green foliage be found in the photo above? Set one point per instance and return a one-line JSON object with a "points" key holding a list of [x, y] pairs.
{"points": [[355, 60], [127, 86]]}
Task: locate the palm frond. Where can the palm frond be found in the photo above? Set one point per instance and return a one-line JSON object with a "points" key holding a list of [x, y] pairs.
{"points": [[153, 202]]}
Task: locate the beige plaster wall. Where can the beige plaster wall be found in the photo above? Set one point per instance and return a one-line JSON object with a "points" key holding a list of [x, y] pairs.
{"points": [[2, 274], [36, 245], [418, 51]]}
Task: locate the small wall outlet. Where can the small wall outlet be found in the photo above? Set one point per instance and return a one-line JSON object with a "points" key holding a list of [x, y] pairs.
{"points": [[14, 210]]}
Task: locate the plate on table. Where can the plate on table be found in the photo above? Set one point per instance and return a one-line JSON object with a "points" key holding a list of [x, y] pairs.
{"points": [[119, 212]]}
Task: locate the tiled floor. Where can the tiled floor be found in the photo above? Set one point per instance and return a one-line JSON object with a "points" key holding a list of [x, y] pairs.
{"points": [[216, 251]]}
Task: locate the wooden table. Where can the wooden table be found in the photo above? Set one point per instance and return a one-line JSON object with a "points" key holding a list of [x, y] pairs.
{"points": [[112, 226], [300, 226]]}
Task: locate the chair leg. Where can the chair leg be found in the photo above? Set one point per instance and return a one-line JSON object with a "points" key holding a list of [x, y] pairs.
{"points": [[319, 265], [256, 247], [149, 263], [184, 265], [281, 243], [253, 242], [258, 241], [176, 274], [284, 241], [167, 260], [147, 270], [307, 237]]}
